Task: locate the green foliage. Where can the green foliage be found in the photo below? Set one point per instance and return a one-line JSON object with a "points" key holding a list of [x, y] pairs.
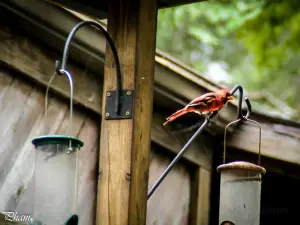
{"points": [[257, 40]]}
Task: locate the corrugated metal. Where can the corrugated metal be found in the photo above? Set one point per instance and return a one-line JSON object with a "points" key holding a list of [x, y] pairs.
{"points": [[21, 119]]}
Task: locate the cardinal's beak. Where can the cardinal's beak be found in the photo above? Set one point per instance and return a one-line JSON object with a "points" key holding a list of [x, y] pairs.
{"points": [[229, 98]]}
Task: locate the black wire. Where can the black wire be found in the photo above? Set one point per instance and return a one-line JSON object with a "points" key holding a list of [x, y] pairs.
{"points": [[62, 65]]}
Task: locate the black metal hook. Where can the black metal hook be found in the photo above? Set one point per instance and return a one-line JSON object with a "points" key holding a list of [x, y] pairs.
{"points": [[240, 102], [199, 131], [61, 66]]}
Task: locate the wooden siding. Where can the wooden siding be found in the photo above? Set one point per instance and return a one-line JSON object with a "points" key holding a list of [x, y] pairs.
{"points": [[22, 114], [22, 118], [169, 204]]}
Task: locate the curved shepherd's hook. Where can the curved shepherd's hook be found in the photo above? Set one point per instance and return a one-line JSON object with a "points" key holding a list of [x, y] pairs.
{"points": [[61, 66], [240, 102], [199, 131]]}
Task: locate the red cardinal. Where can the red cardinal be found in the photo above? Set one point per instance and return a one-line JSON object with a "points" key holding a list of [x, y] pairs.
{"points": [[204, 104]]}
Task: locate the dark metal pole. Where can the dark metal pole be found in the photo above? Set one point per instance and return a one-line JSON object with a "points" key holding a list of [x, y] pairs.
{"points": [[179, 155]]}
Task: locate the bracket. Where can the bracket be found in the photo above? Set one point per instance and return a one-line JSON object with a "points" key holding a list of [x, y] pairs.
{"points": [[126, 103]]}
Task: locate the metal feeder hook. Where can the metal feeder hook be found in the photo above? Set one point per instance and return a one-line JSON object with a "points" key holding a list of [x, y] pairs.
{"points": [[118, 102], [244, 118], [240, 186]]}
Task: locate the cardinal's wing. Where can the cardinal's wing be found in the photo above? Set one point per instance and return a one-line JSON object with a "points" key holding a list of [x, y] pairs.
{"points": [[203, 100]]}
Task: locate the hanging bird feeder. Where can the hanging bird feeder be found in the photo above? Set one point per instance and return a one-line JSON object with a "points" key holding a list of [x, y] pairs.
{"points": [[240, 187], [57, 155], [56, 159]]}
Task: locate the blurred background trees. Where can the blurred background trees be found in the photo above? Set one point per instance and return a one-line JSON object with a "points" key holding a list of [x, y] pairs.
{"points": [[255, 43]]}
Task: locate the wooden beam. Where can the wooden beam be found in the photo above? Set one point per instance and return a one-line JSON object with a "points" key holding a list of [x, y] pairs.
{"points": [[125, 144], [142, 121], [271, 165], [278, 141], [200, 197], [100, 9]]}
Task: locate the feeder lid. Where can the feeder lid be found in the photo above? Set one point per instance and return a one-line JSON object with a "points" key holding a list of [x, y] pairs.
{"points": [[241, 165], [73, 220], [57, 139]]}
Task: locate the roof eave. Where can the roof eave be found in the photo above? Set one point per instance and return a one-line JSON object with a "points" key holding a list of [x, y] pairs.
{"points": [[99, 9]]}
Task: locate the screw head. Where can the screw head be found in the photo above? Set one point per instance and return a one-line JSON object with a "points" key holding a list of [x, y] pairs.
{"points": [[127, 113], [107, 114], [128, 92], [108, 94]]}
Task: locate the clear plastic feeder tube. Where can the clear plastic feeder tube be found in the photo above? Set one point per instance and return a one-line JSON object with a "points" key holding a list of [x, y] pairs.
{"points": [[55, 179]]}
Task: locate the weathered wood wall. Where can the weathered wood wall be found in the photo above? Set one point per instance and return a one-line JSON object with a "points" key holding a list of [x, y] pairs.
{"points": [[22, 114], [26, 66], [21, 118], [170, 202]]}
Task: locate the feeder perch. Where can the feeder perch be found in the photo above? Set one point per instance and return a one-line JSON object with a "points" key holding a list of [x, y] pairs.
{"points": [[240, 187]]}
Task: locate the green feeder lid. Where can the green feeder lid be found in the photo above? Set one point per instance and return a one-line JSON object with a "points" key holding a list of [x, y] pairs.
{"points": [[73, 220], [57, 139]]}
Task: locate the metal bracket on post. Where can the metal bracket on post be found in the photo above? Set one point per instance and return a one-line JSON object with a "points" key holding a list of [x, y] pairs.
{"points": [[126, 103], [119, 102]]}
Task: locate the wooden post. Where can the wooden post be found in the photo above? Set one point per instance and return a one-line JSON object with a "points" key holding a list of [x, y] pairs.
{"points": [[125, 144], [200, 197]]}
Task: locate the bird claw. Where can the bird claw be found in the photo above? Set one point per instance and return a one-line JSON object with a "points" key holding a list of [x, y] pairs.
{"points": [[207, 117]]}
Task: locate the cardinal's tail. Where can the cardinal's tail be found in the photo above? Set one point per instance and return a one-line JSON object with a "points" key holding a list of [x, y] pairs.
{"points": [[175, 115]]}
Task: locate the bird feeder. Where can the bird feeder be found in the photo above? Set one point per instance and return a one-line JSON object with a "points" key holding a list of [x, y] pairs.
{"points": [[240, 189], [55, 176], [57, 155]]}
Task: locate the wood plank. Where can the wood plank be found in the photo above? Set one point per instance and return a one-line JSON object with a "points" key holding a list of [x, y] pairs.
{"points": [[6, 80], [19, 176], [88, 86], [21, 192], [170, 202], [125, 144], [200, 198], [13, 144], [275, 144], [271, 165], [144, 61], [16, 53], [88, 171], [100, 9], [10, 118]]}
